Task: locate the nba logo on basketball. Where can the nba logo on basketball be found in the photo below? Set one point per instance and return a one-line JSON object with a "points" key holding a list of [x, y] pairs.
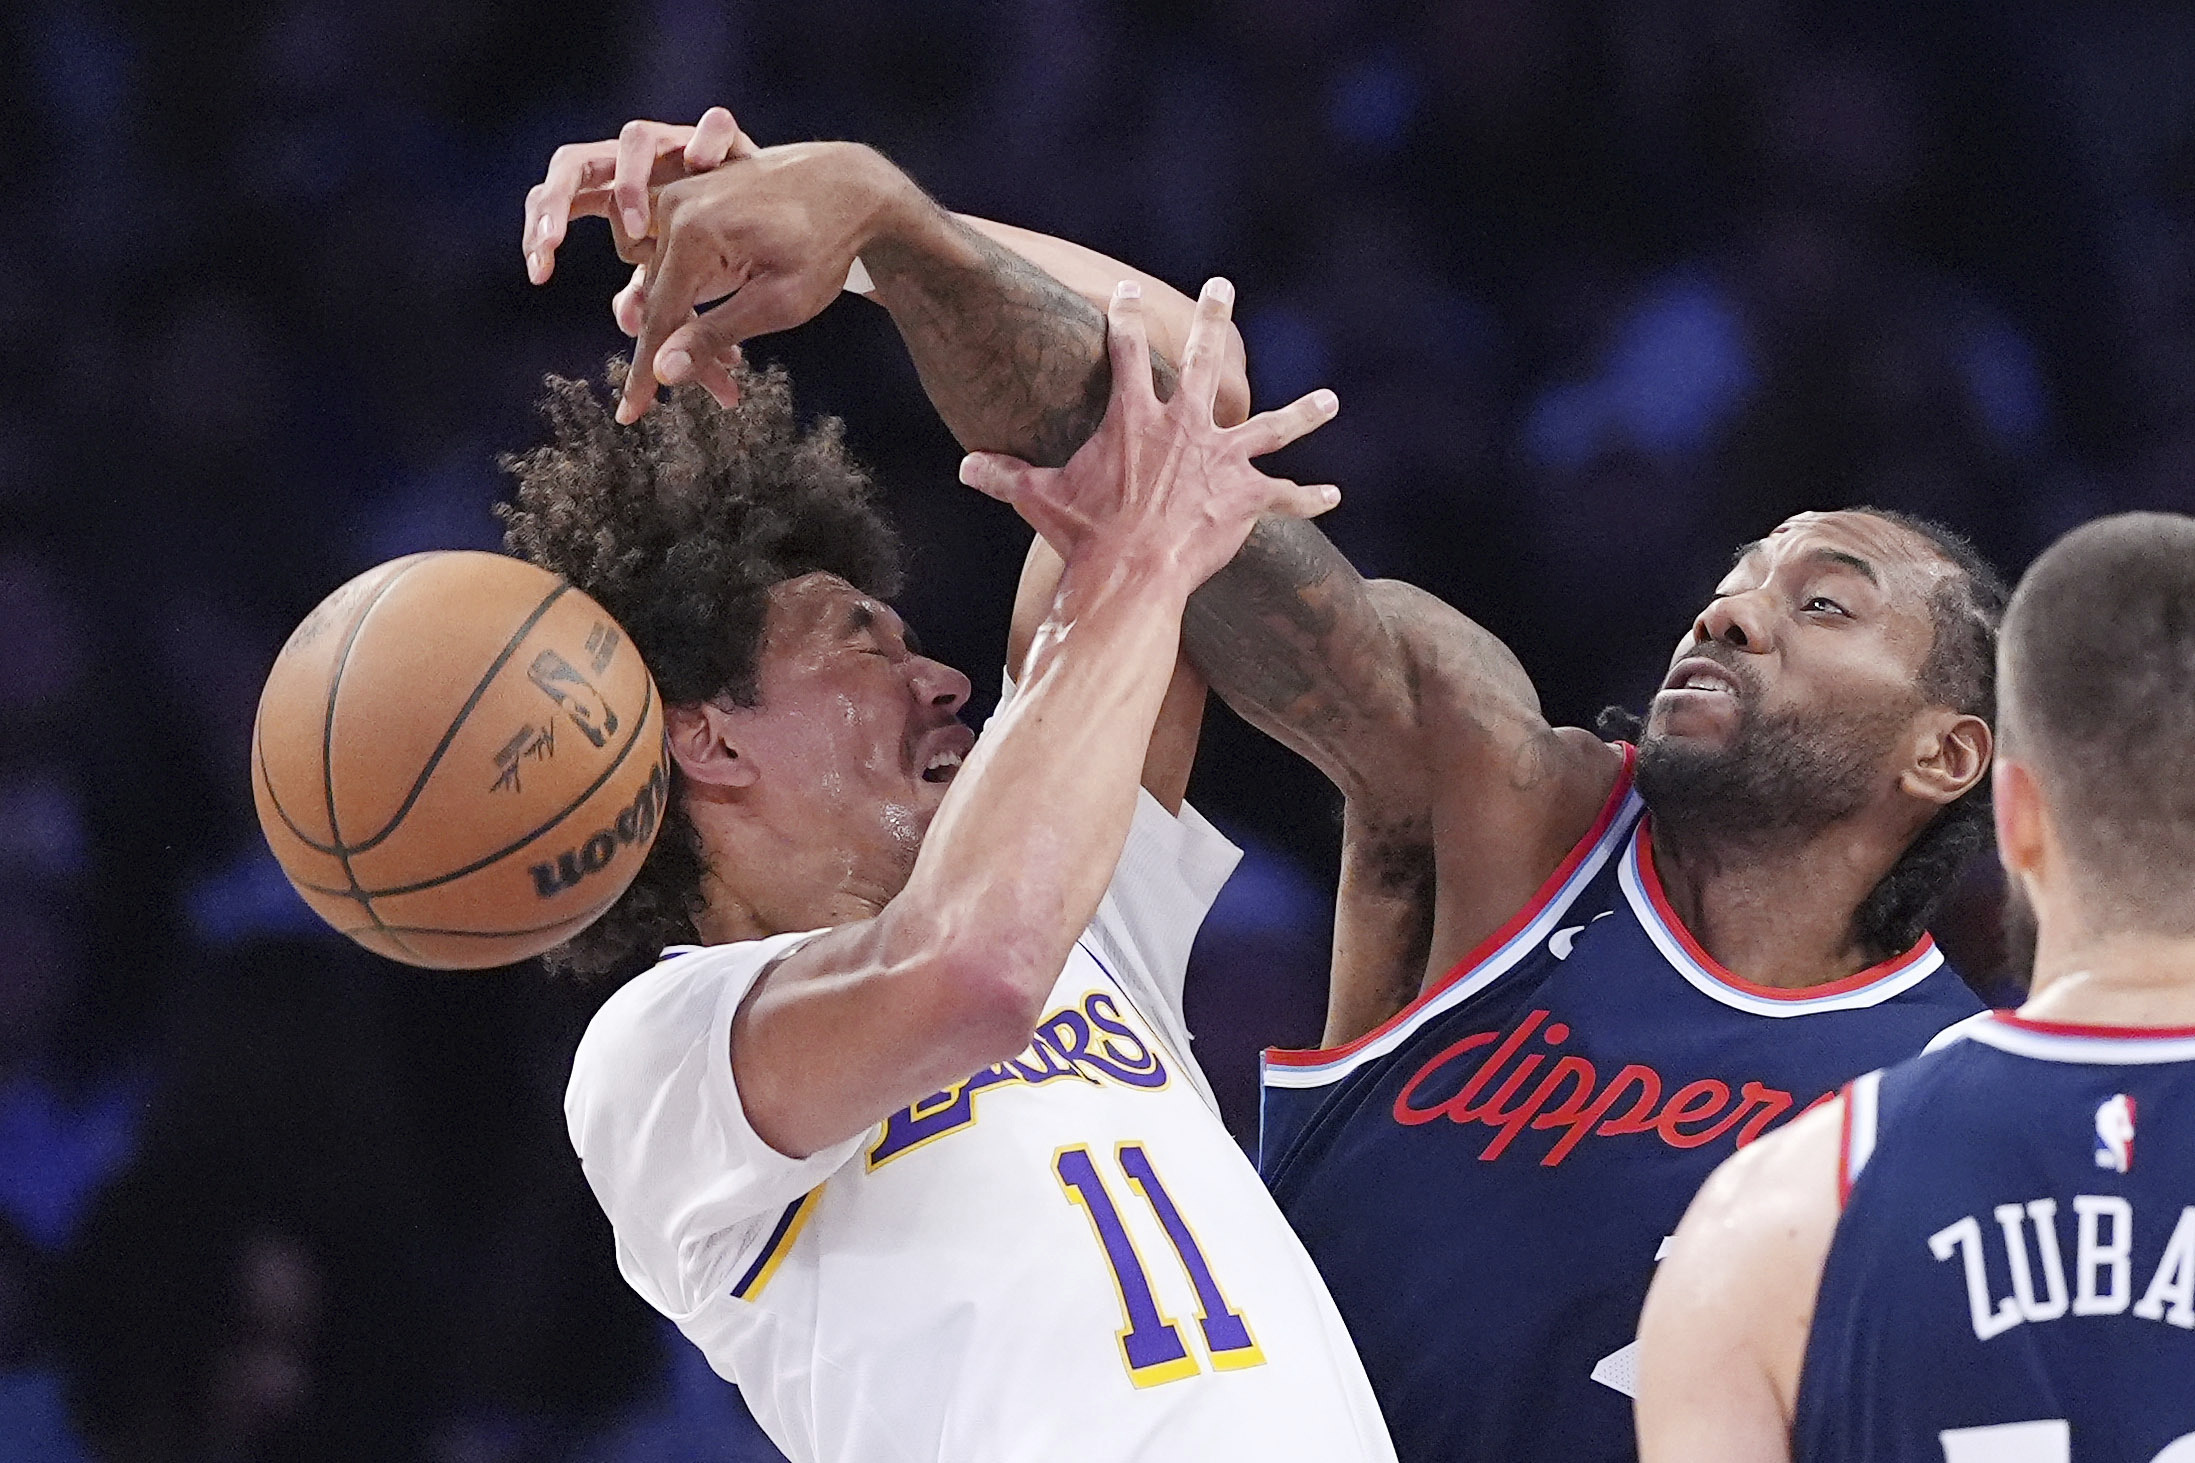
{"points": [[2115, 1133]]}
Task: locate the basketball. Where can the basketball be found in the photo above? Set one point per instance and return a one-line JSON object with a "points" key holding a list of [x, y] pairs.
{"points": [[459, 760]]}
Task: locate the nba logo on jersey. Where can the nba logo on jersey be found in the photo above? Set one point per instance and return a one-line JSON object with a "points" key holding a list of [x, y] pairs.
{"points": [[2115, 1133]]}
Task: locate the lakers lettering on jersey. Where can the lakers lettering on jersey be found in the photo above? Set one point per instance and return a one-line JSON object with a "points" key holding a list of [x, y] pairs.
{"points": [[1065, 1255], [2013, 1276], [1487, 1180]]}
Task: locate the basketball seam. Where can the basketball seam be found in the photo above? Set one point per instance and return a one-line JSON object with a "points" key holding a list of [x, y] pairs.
{"points": [[259, 761], [327, 754], [434, 758], [639, 724]]}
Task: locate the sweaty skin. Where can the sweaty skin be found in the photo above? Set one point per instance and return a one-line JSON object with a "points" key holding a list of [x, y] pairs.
{"points": [[1461, 797], [943, 940]]}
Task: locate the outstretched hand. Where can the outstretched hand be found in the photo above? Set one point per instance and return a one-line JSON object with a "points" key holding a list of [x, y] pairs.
{"points": [[1158, 477], [615, 180], [702, 213]]}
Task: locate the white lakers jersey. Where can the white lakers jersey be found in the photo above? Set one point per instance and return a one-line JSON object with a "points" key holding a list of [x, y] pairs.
{"points": [[1065, 1256]]}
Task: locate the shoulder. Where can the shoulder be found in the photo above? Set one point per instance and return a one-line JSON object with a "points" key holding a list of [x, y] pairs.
{"points": [[1724, 1333], [1788, 1175], [1759, 1229], [663, 1017]]}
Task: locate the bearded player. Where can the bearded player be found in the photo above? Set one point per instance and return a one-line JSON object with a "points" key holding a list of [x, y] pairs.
{"points": [[1570, 975], [901, 1130], [1988, 1252]]}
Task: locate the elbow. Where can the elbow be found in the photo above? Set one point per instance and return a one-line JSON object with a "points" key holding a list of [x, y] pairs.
{"points": [[983, 990], [992, 1002]]}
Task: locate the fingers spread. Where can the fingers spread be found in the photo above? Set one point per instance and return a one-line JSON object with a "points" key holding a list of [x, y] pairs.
{"points": [[575, 186], [547, 207], [665, 306], [1205, 351], [716, 378], [1127, 344], [625, 305], [1294, 500], [1002, 477], [638, 145], [760, 307], [1272, 430]]}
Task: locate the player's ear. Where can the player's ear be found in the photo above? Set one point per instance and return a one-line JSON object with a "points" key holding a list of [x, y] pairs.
{"points": [[702, 740], [1953, 755], [2016, 800]]}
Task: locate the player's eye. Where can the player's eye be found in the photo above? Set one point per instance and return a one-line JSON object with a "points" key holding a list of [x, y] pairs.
{"points": [[1824, 604]]}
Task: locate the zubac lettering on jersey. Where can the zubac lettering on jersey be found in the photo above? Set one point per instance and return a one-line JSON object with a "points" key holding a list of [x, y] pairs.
{"points": [[1089, 1042], [2103, 1265], [1572, 1097], [633, 825]]}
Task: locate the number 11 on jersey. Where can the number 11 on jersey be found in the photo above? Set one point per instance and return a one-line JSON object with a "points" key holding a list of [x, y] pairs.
{"points": [[1150, 1344]]}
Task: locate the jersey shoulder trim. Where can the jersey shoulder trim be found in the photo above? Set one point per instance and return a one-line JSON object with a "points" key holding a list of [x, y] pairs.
{"points": [[1862, 1108], [2060, 1041], [1955, 1033], [1878, 983], [1495, 955], [777, 1246]]}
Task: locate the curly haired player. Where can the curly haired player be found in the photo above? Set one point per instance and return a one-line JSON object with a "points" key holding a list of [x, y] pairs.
{"points": [[902, 1129], [1571, 974]]}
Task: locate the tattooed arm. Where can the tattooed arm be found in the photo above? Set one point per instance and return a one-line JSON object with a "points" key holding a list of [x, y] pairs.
{"points": [[1013, 360], [1426, 722], [1422, 719], [1460, 798]]}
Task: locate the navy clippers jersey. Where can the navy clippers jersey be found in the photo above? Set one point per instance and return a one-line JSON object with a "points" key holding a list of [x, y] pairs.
{"points": [[1486, 1180], [2013, 1277]]}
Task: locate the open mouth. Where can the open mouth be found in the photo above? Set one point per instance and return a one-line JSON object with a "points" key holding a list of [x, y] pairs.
{"points": [[947, 747], [1697, 673]]}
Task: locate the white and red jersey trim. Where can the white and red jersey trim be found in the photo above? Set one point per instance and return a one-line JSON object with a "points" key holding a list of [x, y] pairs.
{"points": [[1524, 932], [1862, 1104], [1870, 987], [2059, 1041]]}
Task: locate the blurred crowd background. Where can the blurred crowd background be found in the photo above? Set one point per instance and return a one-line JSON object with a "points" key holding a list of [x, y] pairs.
{"points": [[1606, 288]]}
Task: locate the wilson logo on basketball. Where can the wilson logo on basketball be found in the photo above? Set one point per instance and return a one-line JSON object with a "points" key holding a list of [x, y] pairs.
{"points": [[635, 824], [1572, 1100]]}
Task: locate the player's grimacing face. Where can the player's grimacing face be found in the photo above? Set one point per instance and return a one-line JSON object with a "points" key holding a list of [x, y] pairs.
{"points": [[1830, 612], [858, 734]]}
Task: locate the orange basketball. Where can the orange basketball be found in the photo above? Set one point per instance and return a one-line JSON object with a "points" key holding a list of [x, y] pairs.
{"points": [[459, 760]]}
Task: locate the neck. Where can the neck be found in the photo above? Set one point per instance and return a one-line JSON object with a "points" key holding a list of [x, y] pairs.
{"points": [[1777, 912], [757, 882], [2123, 979]]}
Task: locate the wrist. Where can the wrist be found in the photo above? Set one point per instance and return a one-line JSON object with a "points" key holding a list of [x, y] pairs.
{"points": [[910, 239], [1133, 568]]}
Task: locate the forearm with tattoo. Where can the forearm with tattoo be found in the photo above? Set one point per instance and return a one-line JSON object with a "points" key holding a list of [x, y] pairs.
{"points": [[1292, 636], [1013, 360]]}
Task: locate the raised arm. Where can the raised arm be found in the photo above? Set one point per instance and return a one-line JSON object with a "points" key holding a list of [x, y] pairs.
{"points": [[951, 975], [1422, 719]]}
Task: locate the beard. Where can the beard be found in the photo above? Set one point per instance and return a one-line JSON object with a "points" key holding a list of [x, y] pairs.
{"points": [[1782, 775]]}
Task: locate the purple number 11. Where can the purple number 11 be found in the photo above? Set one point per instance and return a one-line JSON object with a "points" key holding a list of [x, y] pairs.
{"points": [[1150, 1344]]}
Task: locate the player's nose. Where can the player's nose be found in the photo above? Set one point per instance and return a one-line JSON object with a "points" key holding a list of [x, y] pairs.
{"points": [[1740, 621], [937, 684]]}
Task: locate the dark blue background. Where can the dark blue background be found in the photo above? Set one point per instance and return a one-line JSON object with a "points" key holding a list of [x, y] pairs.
{"points": [[1605, 288]]}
